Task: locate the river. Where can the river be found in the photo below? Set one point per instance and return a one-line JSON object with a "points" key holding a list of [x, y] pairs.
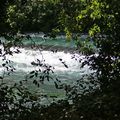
{"points": [[55, 54]]}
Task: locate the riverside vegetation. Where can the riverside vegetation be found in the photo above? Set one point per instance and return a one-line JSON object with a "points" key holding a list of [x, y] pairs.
{"points": [[99, 19]]}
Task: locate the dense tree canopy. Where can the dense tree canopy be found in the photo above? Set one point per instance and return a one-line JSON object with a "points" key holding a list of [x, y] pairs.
{"points": [[99, 19]]}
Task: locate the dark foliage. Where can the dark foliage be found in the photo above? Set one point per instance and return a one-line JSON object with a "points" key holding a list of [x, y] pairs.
{"points": [[99, 19]]}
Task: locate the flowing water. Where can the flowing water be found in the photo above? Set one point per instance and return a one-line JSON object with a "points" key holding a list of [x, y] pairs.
{"points": [[22, 65]]}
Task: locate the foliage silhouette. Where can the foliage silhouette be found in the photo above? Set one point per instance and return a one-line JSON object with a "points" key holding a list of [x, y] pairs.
{"points": [[100, 20]]}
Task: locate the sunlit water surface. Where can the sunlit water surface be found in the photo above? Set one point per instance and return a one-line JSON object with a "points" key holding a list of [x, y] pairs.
{"points": [[22, 64]]}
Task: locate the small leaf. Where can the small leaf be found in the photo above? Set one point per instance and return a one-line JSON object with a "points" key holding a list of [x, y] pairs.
{"points": [[3, 64], [58, 80], [60, 59], [33, 63], [40, 77], [20, 82], [65, 65], [56, 85], [43, 78], [34, 81], [47, 77], [38, 85], [32, 72], [1, 77], [31, 76], [36, 74]]}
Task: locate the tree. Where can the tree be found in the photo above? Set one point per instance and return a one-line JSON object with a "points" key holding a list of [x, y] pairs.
{"points": [[104, 29], [100, 20]]}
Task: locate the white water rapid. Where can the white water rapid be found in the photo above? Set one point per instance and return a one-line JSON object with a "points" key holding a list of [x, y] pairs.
{"points": [[22, 64]]}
